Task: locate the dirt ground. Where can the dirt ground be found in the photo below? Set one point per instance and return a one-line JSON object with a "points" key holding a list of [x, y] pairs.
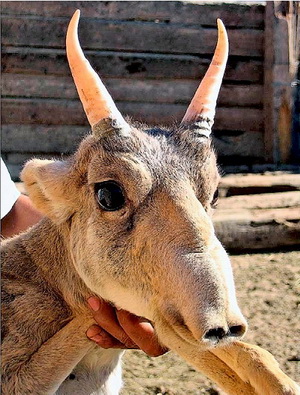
{"points": [[268, 290]]}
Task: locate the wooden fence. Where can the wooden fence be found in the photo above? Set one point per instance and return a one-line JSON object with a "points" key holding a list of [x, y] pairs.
{"points": [[151, 56]]}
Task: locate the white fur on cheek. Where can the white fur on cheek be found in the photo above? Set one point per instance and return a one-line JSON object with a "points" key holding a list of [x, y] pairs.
{"points": [[127, 300]]}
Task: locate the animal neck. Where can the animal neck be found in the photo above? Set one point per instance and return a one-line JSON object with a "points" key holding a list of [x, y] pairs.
{"points": [[48, 247]]}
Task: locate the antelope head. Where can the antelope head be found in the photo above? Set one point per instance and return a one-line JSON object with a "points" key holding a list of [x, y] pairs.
{"points": [[137, 202]]}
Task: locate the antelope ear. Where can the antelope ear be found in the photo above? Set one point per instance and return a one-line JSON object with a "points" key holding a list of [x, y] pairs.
{"points": [[49, 187]]}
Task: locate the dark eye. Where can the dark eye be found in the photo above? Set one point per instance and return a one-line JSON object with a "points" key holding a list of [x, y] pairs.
{"points": [[215, 199], [109, 195]]}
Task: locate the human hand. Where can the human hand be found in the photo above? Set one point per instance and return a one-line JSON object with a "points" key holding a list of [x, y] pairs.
{"points": [[121, 329]]}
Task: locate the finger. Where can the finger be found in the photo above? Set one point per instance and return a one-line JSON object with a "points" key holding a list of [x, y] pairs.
{"points": [[141, 332], [105, 316], [102, 338]]}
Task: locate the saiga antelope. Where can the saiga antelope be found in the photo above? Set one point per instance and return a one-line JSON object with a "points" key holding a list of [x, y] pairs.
{"points": [[127, 218]]}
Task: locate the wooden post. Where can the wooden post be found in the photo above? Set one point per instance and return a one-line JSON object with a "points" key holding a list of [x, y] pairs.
{"points": [[296, 87], [280, 67], [296, 120]]}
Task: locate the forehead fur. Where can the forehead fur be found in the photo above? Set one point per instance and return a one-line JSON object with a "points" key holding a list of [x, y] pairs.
{"points": [[168, 154]]}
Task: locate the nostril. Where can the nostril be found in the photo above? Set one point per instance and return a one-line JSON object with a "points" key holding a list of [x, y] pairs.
{"points": [[237, 330], [215, 334]]}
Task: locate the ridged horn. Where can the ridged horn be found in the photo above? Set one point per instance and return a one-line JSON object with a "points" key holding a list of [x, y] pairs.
{"points": [[98, 105], [203, 104]]}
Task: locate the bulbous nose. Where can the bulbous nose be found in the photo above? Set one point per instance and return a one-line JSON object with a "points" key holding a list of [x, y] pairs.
{"points": [[214, 335]]}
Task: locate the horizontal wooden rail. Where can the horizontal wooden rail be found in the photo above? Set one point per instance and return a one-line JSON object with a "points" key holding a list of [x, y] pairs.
{"points": [[66, 112], [138, 90], [36, 139], [39, 61], [233, 15], [128, 36]]}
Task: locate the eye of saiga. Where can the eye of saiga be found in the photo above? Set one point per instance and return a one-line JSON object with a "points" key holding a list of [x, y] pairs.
{"points": [[109, 195]]}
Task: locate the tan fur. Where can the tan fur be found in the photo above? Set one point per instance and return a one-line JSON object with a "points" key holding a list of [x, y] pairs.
{"points": [[157, 257]]}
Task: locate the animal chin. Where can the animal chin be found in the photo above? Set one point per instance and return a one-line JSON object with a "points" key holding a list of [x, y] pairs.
{"points": [[167, 329]]}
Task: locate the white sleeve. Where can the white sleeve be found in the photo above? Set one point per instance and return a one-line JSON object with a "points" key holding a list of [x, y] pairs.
{"points": [[9, 192]]}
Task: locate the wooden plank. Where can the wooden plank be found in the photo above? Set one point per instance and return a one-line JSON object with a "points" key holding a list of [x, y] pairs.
{"points": [[260, 201], [256, 183], [44, 112], [296, 118], [130, 65], [128, 36], [289, 11], [278, 79], [258, 216], [157, 91], [294, 27], [42, 138], [65, 138], [247, 144], [66, 112], [236, 15], [269, 88], [45, 86], [250, 230], [239, 119]]}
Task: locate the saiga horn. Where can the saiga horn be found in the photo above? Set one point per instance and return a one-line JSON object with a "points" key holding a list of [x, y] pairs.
{"points": [[97, 102], [203, 104]]}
